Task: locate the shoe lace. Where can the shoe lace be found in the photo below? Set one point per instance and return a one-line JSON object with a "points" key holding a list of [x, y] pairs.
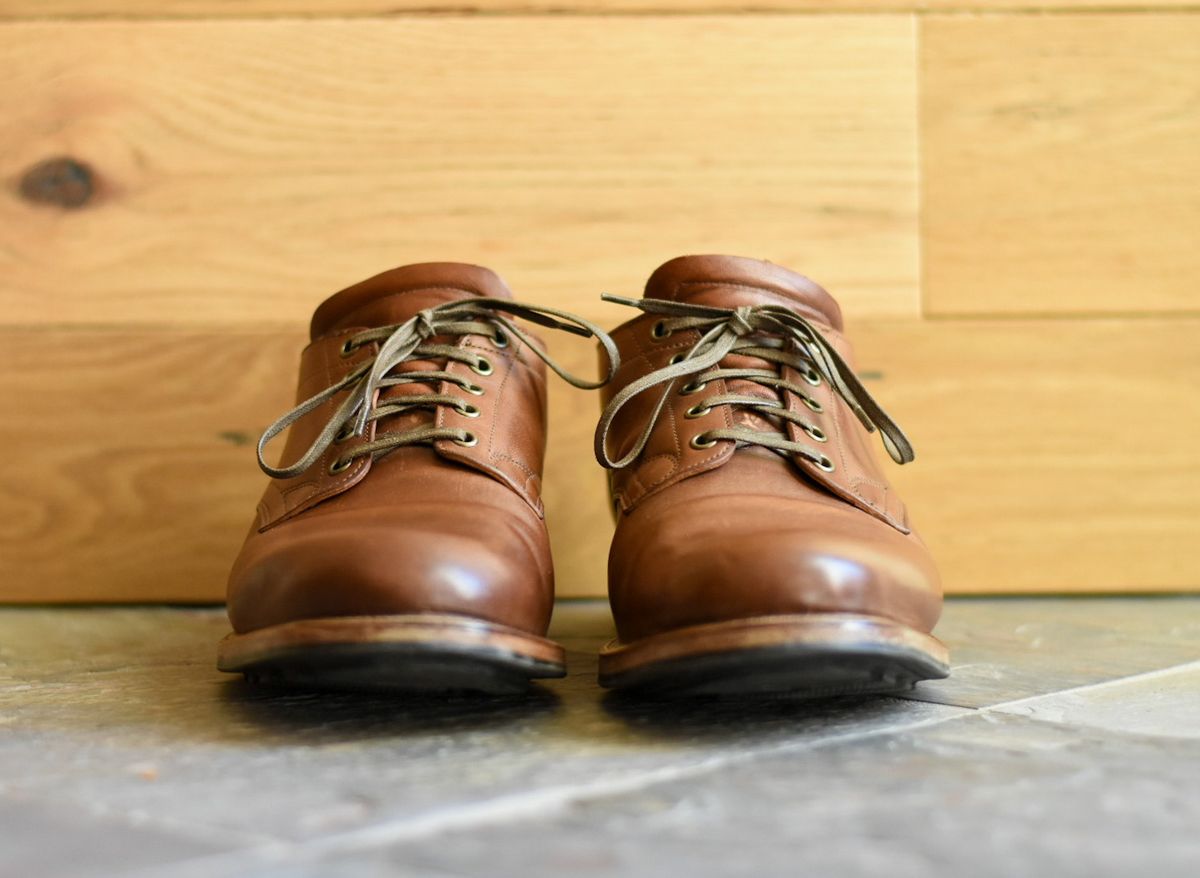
{"points": [[410, 340], [773, 333]]}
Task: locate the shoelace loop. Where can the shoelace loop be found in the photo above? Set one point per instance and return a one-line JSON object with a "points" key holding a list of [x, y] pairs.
{"points": [[401, 342], [782, 337]]}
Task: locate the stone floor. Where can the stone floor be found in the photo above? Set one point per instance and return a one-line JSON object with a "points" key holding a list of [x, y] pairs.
{"points": [[1067, 742]]}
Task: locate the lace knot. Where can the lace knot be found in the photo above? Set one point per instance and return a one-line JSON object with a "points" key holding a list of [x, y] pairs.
{"points": [[740, 320], [425, 326], [727, 331]]}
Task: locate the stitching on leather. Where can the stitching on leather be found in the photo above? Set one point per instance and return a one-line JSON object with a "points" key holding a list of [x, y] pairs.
{"points": [[716, 454], [510, 359], [676, 472], [644, 353], [519, 464], [662, 455], [501, 388], [835, 409], [722, 449], [883, 489], [852, 485], [287, 492]]}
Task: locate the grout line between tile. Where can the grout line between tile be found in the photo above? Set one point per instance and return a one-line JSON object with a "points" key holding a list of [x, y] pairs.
{"points": [[508, 808], [551, 800], [1007, 706]]}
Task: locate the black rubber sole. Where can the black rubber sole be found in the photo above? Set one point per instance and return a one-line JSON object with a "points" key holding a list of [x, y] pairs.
{"points": [[418, 653], [398, 668], [801, 671]]}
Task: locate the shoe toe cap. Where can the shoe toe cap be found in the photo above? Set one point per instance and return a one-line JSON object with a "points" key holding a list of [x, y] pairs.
{"points": [[740, 558], [361, 562]]}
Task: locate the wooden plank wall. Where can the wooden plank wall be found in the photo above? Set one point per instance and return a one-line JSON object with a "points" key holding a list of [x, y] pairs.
{"points": [[1005, 196]]}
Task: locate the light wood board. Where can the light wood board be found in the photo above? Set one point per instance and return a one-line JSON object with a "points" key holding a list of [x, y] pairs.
{"points": [[264, 164], [1061, 164], [24, 9]]}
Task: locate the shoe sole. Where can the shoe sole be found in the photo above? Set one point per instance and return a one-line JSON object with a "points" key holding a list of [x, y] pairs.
{"points": [[813, 655], [418, 653]]}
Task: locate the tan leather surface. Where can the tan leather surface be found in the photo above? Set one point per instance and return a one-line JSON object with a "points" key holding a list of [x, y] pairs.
{"points": [[722, 533], [448, 530]]}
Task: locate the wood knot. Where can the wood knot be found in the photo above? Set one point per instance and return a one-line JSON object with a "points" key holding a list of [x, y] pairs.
{"points": [[61, 181]]}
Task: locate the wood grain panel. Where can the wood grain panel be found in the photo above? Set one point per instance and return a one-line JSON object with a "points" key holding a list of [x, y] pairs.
{"points": [[1061, 168], [25, 9], [137, 478], [1052, 455], [243, 169]]}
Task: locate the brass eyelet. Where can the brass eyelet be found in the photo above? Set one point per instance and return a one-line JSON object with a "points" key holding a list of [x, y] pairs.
{"points": [[467, 410], [660, 330], [692, 387], [483, 367], [467, 440], [698, 411], [813, 378], [824, 464], [342, 435], [473, 389], [812, 404], [816, 433], [340, 465], [678, 358], [699, 442], [500, 339], [348, 347]]}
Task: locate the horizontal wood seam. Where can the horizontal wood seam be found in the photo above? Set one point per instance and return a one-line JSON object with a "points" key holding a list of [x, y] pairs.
{"points": [[534, 11]]}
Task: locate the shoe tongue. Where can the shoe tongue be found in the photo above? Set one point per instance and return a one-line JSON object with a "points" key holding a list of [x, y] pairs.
{"points": [[395, 296], [732, 281]]}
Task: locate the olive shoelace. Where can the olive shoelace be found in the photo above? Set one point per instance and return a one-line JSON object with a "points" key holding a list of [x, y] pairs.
{"points": [[772, 333], [403, 342]]}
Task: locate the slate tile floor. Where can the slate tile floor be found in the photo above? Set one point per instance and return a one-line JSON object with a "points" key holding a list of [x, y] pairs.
{"points": [[1067, 742]]}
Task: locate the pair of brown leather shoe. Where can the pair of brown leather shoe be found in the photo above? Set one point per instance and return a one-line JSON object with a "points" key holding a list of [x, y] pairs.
{"points": [[758, 546]]}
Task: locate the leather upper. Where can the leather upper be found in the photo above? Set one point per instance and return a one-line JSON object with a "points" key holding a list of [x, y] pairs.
{"points": [[727, 532], [447, 528]]}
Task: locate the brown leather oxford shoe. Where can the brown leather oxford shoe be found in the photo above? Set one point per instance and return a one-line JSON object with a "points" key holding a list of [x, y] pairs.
{"points": [[405, 547], [758, 545]]}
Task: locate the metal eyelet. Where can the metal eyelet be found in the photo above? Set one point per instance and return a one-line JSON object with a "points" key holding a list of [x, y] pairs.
{"points": [[678, 358], [500, 339], [466, 410], [473, 389], [816, 433], [340, 465], [824, 464], [812, 404], [692, 387], [698, 411], [342, 435], [348, 347], [467, 441], [660, 330], [483, 367], [699, 442], [813, 378]]}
